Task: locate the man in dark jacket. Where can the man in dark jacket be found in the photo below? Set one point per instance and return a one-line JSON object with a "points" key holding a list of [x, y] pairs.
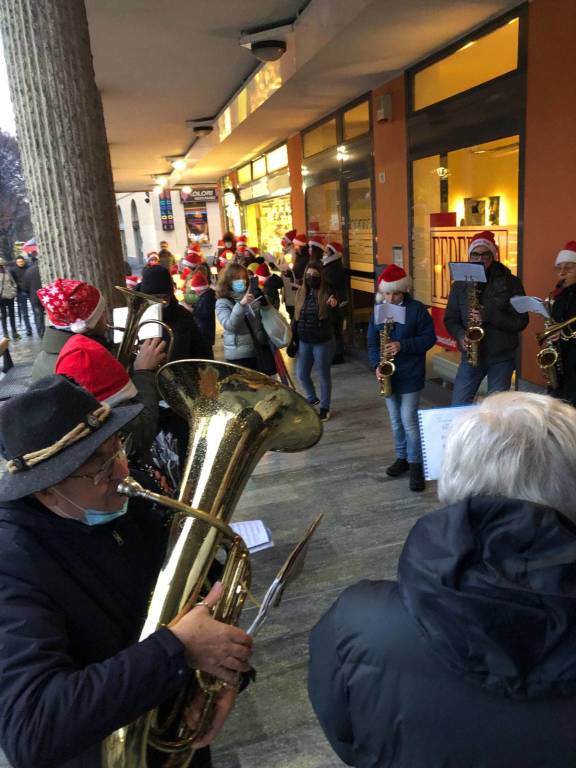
{"points": [[467, 661], [77, 566], [501, 323], [32, 282], [19, 271]]}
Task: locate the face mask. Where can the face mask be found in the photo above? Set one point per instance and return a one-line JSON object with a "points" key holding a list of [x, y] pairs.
{"points": [[312, 281], [91, 516], [239, 286]]}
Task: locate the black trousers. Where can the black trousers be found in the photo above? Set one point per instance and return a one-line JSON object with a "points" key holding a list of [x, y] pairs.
{"points": [[7, 312]]}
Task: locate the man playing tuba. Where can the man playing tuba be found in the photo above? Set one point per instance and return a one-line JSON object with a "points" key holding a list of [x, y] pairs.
{"points": [[77, 565]]}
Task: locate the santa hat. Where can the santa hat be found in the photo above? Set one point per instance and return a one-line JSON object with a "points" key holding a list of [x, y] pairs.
{"points": [[72, 304], [393, 279], [93, 367], [242, 240], [151, 254], [262, 273], [335, 248], [132, 281], [300, 240], [568, 253], [221, 244], [317, 240], [288, 238], [199, 281], [485, 239]]}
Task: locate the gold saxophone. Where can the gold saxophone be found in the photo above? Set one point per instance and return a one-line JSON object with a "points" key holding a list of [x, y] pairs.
{"points": [[474, 333], [386, 367], [234, 415], [548, 359]]}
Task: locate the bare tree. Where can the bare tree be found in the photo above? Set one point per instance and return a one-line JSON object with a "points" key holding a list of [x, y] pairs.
{"points": [[14, 208]]}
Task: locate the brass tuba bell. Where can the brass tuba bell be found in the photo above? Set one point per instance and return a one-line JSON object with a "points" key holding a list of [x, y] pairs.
{"points": [[138, 303], [234, 416]]}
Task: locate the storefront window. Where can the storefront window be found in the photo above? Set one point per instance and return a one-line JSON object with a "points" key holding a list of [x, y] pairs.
{"points": [[454, 196], [267, 221], [277, 158], [259, 167], [323, 210], [357, 121], [245, 174], [320, 138], [476, 62]]}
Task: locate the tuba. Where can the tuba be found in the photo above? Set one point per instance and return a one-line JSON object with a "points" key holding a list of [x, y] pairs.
{"points": [[386, 367], [138, 303], [234, 416], [474, 333]]}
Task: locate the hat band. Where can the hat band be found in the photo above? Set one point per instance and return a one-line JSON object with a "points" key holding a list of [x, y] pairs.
{"points": [[92, 422]]}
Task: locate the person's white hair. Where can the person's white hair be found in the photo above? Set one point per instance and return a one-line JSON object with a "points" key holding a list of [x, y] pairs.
{"points": [[517, 445]]}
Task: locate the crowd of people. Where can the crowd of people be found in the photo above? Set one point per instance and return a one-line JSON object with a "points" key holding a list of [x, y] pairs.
{"points": [[466, 660]]}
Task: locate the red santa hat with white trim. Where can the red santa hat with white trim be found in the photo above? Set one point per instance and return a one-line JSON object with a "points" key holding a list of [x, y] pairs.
{"points": [[72, 304], [567, 254], [288, 238], [318, 241], [262, 273], [199, 282], [93, 367], [393, 279], [485, 239], [300, 240]]}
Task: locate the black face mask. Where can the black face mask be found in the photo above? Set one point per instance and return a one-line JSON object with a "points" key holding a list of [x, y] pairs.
{"points": [[313, 281]]}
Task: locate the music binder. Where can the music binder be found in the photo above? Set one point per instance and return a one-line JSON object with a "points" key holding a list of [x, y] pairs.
{"points": [[434, 425]]}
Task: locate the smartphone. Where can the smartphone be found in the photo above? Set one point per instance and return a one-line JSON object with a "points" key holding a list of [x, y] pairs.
{"points": [[253, 285]]}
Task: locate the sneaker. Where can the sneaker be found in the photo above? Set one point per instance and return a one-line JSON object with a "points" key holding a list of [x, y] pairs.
{"points": [[398, 468], [315, 401], [324, 414], [417, 482]]}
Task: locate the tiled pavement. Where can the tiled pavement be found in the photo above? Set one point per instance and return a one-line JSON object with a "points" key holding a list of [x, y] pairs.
{"points": [[367, 518]]}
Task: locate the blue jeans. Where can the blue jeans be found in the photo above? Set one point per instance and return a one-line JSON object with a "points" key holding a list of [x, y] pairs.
{"points": [[322, 355], [468, 379], [403, 412]]}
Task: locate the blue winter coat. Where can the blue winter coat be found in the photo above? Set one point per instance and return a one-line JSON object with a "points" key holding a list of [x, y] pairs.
{"points": [[416, 337], [468, 661], [72, 602]]}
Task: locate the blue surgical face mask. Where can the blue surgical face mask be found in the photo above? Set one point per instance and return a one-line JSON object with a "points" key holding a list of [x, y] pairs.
{"points": [[238, 286], [91, 516]]}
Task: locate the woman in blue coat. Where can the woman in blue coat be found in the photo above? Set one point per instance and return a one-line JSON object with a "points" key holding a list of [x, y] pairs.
{"points": [[407, 348]]}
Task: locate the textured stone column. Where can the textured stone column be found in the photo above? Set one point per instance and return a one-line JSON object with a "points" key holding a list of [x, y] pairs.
{"points": [[60, 126]]}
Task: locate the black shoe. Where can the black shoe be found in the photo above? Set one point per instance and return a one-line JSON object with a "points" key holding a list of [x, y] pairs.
{"points": [[398, 468], [29, 332], [417, 478], [324, 414], [314, 402]]}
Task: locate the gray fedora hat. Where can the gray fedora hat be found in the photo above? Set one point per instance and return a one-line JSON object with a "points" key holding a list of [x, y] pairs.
{"points": [[50, 430]]}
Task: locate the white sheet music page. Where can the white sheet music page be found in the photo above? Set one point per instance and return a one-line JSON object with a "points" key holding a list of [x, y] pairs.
{"points": [[435, 425], [467, 271], [255, 534], [530, 304], [385, 311]]}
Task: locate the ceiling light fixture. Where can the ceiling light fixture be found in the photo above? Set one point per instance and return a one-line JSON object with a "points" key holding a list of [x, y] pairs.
{"points": [[187, 189], [179, 164], [161, 181]]}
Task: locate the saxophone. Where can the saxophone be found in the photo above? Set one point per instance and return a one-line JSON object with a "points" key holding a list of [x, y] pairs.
{"points": [[234, 415], [474, 333], [386, 367]]}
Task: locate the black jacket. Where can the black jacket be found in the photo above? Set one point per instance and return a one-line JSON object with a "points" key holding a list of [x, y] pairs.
{"points": [[19, 275], [205, 316], [72, 603], [501, 323], [564, 308], [31, 283], [335, 278], [189, 342], [310, 327], [468, 661]]}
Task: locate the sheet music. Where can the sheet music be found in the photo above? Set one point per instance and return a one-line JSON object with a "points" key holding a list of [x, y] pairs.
{"points": [[435, 425], [530, 304], [255, 534], [385, 311], [467, 271], [151, 331]]}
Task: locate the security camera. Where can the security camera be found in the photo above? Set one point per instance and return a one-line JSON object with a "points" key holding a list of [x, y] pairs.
{"points": [[268, 50], [146, 197]]}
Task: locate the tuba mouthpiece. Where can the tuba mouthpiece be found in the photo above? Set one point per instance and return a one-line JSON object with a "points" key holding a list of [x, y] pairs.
{"points": [[129, 487]]}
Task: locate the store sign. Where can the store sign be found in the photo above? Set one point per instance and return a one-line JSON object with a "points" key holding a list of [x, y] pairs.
{"points": [[166, 212], [200, 195]]}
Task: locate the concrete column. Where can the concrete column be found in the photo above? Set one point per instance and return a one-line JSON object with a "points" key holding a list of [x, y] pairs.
{"points": [[62, 137]]}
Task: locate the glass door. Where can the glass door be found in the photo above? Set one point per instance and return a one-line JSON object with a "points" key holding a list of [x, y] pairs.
{"points": [[360, 258]]}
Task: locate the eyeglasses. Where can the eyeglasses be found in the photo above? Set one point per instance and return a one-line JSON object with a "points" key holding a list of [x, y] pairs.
{"points": [[566, 267], [481, 254], [104, 474]]}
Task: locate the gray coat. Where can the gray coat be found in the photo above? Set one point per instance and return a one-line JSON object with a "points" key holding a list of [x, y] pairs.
{"points": [[238, 342]]}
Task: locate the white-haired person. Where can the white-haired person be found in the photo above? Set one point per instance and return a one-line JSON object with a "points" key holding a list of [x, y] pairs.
{"points": [[467, 660]]}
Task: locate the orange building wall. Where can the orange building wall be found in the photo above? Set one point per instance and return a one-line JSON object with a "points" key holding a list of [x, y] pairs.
{"points": [[390, 158], [297, 195], [550, 167]]}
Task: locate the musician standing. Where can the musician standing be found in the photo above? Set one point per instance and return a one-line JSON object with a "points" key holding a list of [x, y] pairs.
{"points": [[407, 349], [500, 322], [564, 308]]}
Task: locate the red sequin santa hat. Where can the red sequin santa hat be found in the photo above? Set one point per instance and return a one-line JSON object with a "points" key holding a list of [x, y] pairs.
{"points": [[567, 254], [318, 241], [486, 240], [199, 282], [93, 367], [288, 238], [393, 279], [262, 273], [300, 240], [72, 304]]}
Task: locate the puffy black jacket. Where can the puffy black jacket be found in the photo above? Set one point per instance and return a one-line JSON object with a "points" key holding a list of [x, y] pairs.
{"points": [[72, 603], [467, 661], [310, 327], [564, 308], [501, 323]]}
